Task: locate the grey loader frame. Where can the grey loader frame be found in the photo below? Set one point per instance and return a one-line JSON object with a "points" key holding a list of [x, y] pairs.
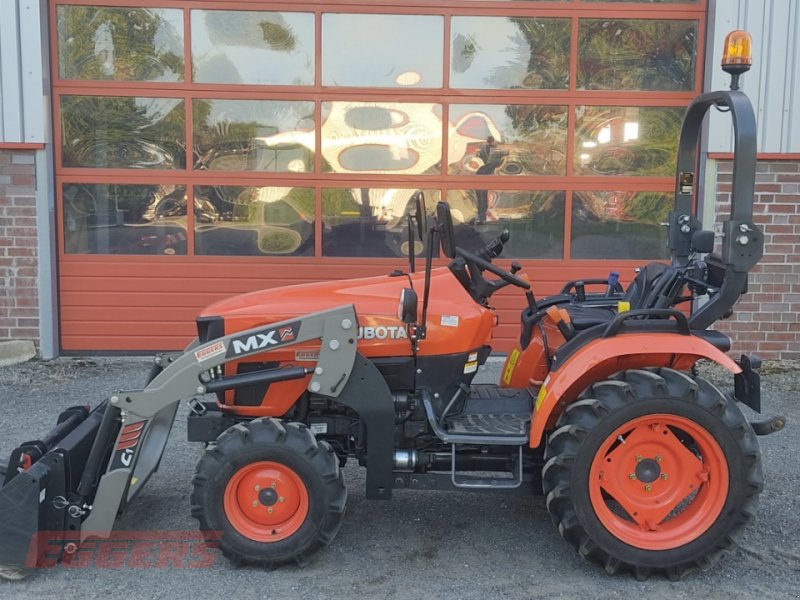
{"points": [[146, 415]]}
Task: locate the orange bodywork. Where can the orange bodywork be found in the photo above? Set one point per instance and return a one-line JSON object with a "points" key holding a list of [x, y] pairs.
{"points": [[455, 324], [603, 357]]}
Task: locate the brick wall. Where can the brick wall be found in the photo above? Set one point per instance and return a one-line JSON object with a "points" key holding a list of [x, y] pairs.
{"points": [[766, 320], [19, 304]]}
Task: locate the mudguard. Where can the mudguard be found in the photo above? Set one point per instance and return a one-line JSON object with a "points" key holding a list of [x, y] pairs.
{"points": [[603, 357]]}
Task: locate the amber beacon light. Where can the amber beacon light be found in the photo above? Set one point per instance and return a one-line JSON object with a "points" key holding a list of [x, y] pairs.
{"points": [[737, 56]]}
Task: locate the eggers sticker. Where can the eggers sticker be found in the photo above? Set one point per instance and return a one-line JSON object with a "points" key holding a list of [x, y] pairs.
{"points": [[263, 340], [209, 351]]}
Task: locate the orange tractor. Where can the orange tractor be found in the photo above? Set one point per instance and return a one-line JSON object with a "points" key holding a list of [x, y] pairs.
{"points": [[645, 466]]}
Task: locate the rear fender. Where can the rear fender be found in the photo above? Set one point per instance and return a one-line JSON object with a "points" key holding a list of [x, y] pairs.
{"points": [[603, 357]]}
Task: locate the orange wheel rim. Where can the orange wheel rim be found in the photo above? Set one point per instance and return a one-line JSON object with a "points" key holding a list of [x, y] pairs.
{"points": [[658, 482], [266, 501]]}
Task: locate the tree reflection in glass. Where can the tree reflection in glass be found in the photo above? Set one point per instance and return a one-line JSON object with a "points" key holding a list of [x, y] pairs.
{"points": [[637, 54], [527, 139], [617, 224], [124, 219], [252, 47], [131, 44], [123, 132], [370, 222], [509, 53], [626, 140], [253, 135], [534, 219], [254, 221]]}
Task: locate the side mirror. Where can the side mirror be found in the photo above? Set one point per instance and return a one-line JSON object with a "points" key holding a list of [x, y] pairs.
{"points": [[421, 215], [407, 307], [445, 224], [703, 241]]}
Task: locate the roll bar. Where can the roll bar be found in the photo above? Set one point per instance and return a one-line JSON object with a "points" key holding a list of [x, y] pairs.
{"points": [[743, 242]]}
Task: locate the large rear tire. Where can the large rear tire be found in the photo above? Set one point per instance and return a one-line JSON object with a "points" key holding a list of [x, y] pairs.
{"points": [[269, 493], [652, 471]]}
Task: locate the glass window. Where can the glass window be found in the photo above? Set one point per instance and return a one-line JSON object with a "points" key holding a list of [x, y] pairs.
{"points": [[534, 220], [123, 132], [650, 1], [128, 44], [268, 48], [401, 138], [637, 54], [370, 221], [382, 50], [507, 139], [254, 221], [509, 53], [124, 219], [253, 135], [624, 225], [626, 140]]}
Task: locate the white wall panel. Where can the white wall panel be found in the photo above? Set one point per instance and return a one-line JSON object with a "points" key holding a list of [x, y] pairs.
{"points": [[772, 83], [23, 104]]}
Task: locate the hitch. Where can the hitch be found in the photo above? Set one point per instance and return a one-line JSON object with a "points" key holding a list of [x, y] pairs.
{"points": [[767, 426]]}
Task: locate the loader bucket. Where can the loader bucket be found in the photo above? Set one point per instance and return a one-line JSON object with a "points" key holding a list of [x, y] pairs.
{"points": [[39, 486]]}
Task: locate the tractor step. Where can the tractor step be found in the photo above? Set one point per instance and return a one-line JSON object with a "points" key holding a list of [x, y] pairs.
{"points": [[485, 483], [490, 416], [488, 424]]}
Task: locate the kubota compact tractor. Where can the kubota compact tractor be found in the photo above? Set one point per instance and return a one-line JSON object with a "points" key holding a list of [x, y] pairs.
{"points": [[645, 466]]}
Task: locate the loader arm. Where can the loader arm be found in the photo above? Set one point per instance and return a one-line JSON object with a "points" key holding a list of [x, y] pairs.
{"points": [[129, 431]]}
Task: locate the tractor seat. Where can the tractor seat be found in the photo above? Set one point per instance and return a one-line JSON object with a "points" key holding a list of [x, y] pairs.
{"points": [[652, 281]]}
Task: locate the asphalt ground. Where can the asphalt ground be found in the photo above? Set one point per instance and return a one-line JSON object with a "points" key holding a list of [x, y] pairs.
{"points": [[419, 545]]}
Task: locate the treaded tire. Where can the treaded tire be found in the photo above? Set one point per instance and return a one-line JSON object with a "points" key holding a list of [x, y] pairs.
{"points": [[603, 410], [290, 445]]}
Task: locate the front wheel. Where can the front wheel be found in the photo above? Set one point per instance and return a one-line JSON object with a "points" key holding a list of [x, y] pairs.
{"points": [[653, 471], [269, 493]]}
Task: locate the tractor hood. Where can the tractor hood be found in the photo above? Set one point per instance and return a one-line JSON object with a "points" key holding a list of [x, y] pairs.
{"points": [[456, 323]]}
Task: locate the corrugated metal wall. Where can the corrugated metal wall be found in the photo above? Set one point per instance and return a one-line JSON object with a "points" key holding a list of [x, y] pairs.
{"points": [[773, 84], [24, 103]]}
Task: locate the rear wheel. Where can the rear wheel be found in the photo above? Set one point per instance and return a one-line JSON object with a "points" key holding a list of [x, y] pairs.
{"points": [[269, 493], [653, 471]]}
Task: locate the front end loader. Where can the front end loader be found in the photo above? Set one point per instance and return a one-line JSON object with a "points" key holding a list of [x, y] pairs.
{"points": [[645, 466]]}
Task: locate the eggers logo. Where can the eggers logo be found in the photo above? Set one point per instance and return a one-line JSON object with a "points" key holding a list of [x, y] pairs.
{"points": [[263, 340]]}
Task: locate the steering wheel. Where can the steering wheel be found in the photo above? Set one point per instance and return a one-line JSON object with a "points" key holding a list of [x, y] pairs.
{"points": [[485, 265]]}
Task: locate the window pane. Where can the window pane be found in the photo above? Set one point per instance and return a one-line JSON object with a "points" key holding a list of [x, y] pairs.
{"points": [[382, 50], [650, 1], [637, 54], [370, 221], [254, 221], [535, 221], [237, 46], [122, 132], [620, 225], [124, 219], [381, 137], [509, 53], [626, 140], [128, 44], [253, 135], [499, 139]]}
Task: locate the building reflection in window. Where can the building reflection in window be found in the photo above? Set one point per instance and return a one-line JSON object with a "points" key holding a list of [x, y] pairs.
{"points": [[534, 219], [513, 139], [124, 219], [370, 221], [254, 221]]}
